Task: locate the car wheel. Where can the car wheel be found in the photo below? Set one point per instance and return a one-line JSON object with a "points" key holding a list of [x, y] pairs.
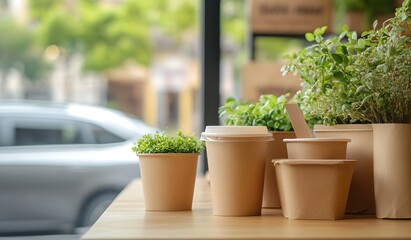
{"points": [[95, 207]]}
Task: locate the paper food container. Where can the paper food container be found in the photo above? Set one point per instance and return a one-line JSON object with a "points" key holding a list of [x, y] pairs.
{"points": [[314, 188], [236, 161], [317, 148]]}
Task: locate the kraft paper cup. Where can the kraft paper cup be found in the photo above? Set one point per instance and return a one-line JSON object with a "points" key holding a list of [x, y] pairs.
{"points": [[236, 161], [168, 180], [317, 148], [314, 188]]}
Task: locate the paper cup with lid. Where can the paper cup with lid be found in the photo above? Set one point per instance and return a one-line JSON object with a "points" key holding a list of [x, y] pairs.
{"points": [[317, 148], [236, 161]]}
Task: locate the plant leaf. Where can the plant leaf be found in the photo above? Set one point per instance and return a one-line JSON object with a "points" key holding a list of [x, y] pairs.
{"points": [[338, 75], [338, 58], [310, 37], [361, 43]]}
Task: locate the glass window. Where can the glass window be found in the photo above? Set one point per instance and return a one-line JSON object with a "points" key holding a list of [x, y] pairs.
{"points": [[27, 136], [102, 136], [44, 132]]}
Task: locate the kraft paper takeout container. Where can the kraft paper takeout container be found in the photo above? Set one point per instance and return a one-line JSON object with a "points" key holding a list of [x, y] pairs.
{"points": [[314, 188], [317, 148]]}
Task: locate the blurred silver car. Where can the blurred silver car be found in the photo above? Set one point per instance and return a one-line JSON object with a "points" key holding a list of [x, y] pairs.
{"points": [[61, 165]]}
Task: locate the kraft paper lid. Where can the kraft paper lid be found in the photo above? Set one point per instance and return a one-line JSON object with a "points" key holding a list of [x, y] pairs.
{"points": [[236, 131], [291, 140], [313, 161]]}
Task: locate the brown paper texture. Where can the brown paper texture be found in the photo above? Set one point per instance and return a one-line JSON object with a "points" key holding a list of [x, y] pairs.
{"points": [[392, 170], [316, 189], [317, 149], [278, 150], [161, 194], [361, 197], [298, 121], [265, 78], [237, 176]]}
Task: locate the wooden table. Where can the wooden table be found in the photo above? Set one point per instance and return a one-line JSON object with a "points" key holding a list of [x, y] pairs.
{"points": [[127, 219]]}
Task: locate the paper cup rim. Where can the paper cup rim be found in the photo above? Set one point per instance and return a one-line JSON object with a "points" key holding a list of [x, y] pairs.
{"points": [[247, 138], [236, 131], [313, 161], [306, 140]]}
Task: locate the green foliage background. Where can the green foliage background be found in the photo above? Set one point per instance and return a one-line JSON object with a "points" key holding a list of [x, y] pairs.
{"points": [[109, 36]]}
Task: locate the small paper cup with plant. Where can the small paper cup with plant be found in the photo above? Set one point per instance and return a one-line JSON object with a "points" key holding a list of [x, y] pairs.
{"points": [[168, 169]]}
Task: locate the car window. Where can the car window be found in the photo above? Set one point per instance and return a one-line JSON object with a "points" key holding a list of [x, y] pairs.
{"points": [[45, 136], [101, 135], [25, 131], [43, 131]]}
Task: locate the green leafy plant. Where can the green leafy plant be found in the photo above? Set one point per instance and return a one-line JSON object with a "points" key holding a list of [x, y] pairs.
{"points": [[268, 111], [159, 142], [358, 79]]}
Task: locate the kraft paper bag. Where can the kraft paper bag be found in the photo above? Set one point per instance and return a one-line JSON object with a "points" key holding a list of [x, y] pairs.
{"points": [[392, 170]]}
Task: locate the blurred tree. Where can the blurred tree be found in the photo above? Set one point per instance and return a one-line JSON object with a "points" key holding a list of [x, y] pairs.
{"points": [[109, 36], [233, 20], [18, 51], [112, 36]]}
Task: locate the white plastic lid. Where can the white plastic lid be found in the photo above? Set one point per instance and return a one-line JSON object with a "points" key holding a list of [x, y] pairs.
{"points": [[236, 131], [317, 140]]}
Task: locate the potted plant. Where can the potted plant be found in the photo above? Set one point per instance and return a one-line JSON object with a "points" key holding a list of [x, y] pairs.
{"points": [[168, 169], [329, 89], [363, 79], [269, 111]]}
